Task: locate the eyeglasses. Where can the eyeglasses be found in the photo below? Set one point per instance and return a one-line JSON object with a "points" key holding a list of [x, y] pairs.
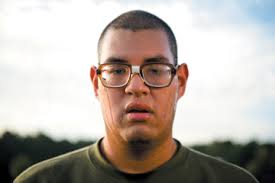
{"points": [[157, 75]]}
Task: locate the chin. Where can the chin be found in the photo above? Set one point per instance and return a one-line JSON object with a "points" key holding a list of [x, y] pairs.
{"points": [[138, 135], [139, 141]]}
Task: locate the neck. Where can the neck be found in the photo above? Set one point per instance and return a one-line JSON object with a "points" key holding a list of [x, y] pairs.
{"points": [[137, 156]]}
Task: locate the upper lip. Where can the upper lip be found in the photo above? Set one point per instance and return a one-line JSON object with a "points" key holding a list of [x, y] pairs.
{"points": [[138, 107]]}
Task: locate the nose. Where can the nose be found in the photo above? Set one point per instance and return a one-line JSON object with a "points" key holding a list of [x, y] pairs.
{"points": [[136, 86]]}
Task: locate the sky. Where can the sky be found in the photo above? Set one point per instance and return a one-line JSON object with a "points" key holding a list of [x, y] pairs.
{"points": [[48, 46]]}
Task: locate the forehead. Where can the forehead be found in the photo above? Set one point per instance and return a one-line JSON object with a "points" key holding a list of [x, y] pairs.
{"points": [[135, 46]]}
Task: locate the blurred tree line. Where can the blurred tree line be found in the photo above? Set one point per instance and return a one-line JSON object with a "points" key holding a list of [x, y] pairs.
{"points": [[17, 153]]}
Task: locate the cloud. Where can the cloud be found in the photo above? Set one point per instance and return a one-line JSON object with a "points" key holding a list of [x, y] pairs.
{"points": [[263, 6], [231, 72]]}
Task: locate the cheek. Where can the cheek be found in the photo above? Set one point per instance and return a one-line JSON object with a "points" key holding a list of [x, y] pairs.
{"points": [[166, 104], [111, 104]]}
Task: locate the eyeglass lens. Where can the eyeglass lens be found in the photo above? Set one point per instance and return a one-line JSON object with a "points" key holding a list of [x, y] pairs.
{"points": [[116, 75]]}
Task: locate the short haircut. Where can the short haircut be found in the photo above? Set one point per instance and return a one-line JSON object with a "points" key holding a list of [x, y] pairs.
{"points": [[139, 20]]}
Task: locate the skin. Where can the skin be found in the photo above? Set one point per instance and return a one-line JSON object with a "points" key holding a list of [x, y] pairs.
{"points": [[138, 146]]}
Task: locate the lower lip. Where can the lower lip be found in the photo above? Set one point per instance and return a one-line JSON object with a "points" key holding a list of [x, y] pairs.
{"points": [[138, 116]]}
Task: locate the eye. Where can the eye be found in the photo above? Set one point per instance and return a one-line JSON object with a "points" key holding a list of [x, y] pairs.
{"points": [[155, 71], [117, 71]]}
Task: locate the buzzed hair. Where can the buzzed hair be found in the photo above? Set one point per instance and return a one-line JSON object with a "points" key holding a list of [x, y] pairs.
{"points": [[139, 20]]}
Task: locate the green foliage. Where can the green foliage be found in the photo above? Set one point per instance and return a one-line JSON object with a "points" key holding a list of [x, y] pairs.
{"points": [[18, 153]]}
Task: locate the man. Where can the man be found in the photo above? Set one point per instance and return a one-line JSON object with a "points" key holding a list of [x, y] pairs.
{"points": [[138, 83]]}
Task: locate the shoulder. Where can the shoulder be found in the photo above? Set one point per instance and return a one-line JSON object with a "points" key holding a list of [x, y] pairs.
{"points": [[218, 169], [46, 171]]}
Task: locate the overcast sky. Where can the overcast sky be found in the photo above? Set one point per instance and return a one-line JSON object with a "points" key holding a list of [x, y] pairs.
{"points": [[48, 46]]}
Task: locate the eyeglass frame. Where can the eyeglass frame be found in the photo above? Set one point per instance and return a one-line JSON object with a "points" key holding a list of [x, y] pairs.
{"points": [[136, 69]]}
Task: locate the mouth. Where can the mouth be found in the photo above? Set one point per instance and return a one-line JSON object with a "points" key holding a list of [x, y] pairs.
{"points": [[138, 112], [138, 108]]}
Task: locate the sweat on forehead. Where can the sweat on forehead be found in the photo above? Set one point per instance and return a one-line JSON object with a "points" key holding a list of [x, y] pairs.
{"points": [[140, 20]]}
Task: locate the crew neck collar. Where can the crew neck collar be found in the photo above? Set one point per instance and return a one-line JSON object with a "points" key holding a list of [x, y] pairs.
{"points": [[100, 162]]}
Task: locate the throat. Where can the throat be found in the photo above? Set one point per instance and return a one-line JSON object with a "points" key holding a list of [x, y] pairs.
{"points": [[139, 149]]}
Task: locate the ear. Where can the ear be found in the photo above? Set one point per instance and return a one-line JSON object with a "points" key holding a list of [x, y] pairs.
{"points": [[182, 74], [94, 79]]}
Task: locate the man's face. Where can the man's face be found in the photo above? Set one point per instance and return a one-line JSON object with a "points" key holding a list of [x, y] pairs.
{"points": [[137, 112]]}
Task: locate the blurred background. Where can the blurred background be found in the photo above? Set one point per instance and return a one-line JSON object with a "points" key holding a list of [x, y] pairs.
{"points": [[47, 106]]}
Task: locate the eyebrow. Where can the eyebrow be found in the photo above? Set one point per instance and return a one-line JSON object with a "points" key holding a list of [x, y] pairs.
{"points": [[115, 60], [158, 58]]}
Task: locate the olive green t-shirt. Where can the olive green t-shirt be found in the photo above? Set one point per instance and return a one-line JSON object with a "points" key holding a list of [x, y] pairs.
{"points": [[88, 165]]}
